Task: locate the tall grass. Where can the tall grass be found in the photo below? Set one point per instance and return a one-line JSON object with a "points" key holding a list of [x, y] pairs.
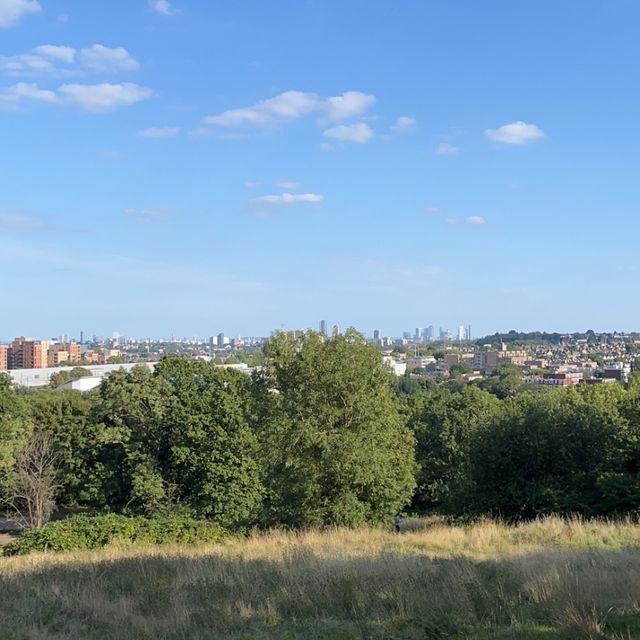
{"points": [[549, 579]]}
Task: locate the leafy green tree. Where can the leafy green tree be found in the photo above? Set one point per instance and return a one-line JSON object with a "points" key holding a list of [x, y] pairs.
{"points": [[336, 449], [458, 370], [15, 428], [60, 377], [209, 450], [546, 452], [444, 423], [504, 382], [65, 417], [131, 410]]}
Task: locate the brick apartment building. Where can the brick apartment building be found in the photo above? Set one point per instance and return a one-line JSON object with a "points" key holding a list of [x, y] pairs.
{"points": [[27, 353]]}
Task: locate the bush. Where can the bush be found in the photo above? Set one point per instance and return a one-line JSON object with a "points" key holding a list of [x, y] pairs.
{"points": [[92, 532]]}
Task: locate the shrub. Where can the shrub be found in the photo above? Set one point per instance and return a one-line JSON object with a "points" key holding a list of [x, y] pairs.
{"points": [[92, 532]]}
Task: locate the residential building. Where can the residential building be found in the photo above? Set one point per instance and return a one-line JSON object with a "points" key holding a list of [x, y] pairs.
{"points": [[61, 352], [4, 357], [27, 353]]}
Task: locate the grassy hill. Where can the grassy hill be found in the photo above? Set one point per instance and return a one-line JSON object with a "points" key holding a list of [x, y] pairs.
{"points": [[544, 580]]}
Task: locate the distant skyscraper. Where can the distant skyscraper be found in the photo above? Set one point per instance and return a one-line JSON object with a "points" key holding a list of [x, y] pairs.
{"points": [[469, 333], [430, 335], [377, 335], [417, 336], [222, 340], [406, 335], [461, 333], [336, 330], [323, 327]]}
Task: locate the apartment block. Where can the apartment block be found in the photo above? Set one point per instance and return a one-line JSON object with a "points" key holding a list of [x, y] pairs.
{"points": [[4, 357], [60, 352], [27, 353]]}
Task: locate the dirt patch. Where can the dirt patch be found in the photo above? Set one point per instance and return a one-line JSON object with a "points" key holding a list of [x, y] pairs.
{"points": [[6, 538]]}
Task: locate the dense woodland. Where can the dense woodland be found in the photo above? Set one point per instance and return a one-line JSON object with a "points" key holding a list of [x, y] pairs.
{"points": [[322, 435]]}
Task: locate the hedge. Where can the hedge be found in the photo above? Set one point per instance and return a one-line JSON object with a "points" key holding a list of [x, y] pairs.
{"points": [[84, 532]]}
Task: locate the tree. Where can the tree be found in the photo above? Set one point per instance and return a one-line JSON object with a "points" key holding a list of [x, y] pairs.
{"points": [[15, 428], [61, 377], [546, 453], [130, 411], [336, 450], [65, 416], [34, 486], [209, 451], [504, 382], [458, 370], [444, 423]]}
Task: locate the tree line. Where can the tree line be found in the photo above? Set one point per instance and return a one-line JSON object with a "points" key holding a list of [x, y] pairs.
{"points": [[322, 434]]}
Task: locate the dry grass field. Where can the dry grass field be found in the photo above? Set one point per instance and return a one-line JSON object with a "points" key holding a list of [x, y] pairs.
{"points": [[544, 580]]}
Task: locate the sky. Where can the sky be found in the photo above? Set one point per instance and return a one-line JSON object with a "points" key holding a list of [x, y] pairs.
{"points": [[190, 167]]}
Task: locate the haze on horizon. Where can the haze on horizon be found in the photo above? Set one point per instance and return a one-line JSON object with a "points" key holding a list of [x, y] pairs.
{"points": [[186, 167]]}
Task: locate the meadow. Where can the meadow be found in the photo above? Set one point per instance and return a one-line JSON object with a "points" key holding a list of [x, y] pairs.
{"points": [[547, 579]]}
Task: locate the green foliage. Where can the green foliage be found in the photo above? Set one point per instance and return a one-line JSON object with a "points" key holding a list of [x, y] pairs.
{"points": [[129, 416], [444, 422], [460, 369], [60, 377], [92, 532], [65, 416], [15, 428], [548, 453], [504, 382], [335, 448], [208, 450]]}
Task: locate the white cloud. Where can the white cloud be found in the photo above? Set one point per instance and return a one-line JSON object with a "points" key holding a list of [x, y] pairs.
{"points": [[103, 97], [148, 215], [432, 210], [360, 132], [286, 106], [515, 133], [446, 149], [159, 132], [26, 63], [101, 58], [404, 123], [472, 220], [288, 185], [56, 52], [291, 105], [27, 91], [162, 7], [47, 58], [289, 198], [251, 184], [12, 10], [350, 104]]}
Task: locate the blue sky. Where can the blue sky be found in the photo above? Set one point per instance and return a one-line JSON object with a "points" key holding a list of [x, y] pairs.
{"points": [[193, 166]]}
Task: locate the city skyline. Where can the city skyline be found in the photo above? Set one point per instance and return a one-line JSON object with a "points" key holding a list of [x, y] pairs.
{"points": [[179, 165]]}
